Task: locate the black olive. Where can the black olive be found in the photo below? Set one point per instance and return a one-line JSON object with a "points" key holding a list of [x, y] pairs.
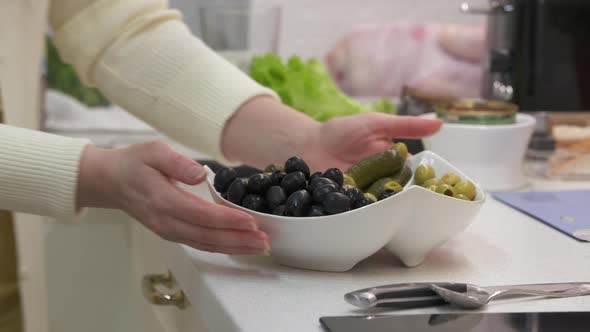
{"points": [[318, 182], [298, 204], [315, 175], [316, 211], [276, 177], [319, 194], [295, 164], [275, 196], [361, 201], [237, 191], [273, 168], [223, 178], [293, 182], [386, 193], [279, 210], [336, 202], [335, 175], [224, 195], [253, 202], [352, 192], [259, 183]]}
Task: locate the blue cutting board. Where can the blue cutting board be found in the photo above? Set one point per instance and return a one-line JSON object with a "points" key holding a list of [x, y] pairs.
{"points": [[566, 211]]}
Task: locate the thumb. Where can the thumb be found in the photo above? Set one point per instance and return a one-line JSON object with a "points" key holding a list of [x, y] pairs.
{"points": [[402, 126], [463, 42], [174, 165]]}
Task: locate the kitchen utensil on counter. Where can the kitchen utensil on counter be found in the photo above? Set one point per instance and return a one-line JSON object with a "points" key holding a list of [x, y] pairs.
{"points": [[493, 155], [407, 224], [538, 53], [405, 295], [426, 294], [566, 211], [477, 297], [240, 30]]}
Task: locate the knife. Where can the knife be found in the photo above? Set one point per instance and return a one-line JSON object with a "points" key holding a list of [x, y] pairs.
{"points": [[419, 295]]}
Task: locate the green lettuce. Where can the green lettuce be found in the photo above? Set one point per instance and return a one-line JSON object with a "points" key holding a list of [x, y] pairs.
{"points": [[308, 87], [63, 77]]}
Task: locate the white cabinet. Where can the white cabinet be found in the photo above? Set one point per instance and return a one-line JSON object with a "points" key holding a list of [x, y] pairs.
{"points": [[88, 277]]}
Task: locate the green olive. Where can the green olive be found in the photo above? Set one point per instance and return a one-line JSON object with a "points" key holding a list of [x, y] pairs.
{"points": [[432, 187], [461, 196], [445, 189], [348, 180], [451, 179], [423, 173], [431, 182], [393, 185], [371, 197], [402, 149], [466, 188]]}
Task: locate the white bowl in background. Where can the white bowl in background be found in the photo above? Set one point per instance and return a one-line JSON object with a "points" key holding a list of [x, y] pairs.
{"points": [[492, 154], [409, 224]]}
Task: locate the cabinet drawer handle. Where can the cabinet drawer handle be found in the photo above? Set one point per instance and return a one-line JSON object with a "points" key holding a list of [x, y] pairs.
{"points": [[152, 295]]}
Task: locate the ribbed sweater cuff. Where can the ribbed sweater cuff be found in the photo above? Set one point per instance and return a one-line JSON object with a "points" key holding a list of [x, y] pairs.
{"points": [[39, 172]]}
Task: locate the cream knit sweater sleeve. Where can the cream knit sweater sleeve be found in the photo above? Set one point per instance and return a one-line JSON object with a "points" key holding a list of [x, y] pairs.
{"points": [[142, 57], [39, 172]]}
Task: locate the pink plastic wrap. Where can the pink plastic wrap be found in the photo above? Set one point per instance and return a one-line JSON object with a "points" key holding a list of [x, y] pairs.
{"points": [[378, 60]]}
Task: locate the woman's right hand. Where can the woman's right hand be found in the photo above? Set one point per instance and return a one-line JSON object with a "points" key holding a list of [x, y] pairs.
{"points": [[141, 180]]}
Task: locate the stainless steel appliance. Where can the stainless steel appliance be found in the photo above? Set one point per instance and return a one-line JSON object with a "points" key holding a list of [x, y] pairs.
{"points": [[538, 53]]}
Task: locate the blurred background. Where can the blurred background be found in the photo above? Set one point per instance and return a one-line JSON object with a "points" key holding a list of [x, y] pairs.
{"points": [[371, 49], [311, 28]]}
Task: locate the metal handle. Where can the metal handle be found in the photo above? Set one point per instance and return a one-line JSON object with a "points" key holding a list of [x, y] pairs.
{"points": [[572, 292], [494, 7], [150, 293]]}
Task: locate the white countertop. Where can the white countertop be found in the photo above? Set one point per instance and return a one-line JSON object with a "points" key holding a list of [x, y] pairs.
{"points": [[503, 246]]}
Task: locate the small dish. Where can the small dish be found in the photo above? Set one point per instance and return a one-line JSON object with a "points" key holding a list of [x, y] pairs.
{"points": [[492, 154], [408, 224]]}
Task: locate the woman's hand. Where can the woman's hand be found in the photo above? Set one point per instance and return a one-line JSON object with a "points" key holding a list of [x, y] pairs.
{"points": [[264, 131], [141, 180], [343, 141]]}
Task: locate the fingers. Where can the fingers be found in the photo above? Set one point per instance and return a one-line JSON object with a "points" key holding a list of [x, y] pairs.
{"points": [[217, 240], [224, 250], [401, 126], [171, 163], [197, 211], [463, 42]]}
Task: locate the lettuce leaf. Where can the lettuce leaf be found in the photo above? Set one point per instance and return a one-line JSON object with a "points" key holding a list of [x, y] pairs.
{"points": [[308, 88]]}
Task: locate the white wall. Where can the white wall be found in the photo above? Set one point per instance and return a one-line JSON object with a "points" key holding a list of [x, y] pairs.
{"points": [[310, 27]]}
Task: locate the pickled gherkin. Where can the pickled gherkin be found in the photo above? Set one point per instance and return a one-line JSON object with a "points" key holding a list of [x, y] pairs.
{"points": [[403, 176], [377, 166], [374, 189]]}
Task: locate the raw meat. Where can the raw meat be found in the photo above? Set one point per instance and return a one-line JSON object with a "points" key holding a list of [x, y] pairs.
{"points": [[379, 59]]}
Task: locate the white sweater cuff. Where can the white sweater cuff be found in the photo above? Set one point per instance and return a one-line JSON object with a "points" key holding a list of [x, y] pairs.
{"points": [[39, 173]]}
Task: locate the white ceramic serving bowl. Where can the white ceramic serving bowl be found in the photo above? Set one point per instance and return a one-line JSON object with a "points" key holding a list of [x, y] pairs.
{"points": [[492, 154], [409, 224]]}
